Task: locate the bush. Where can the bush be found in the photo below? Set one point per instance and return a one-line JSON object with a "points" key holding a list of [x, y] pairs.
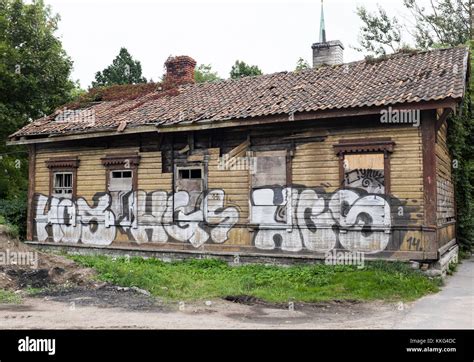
{"points": [[14, 211], [13, 231]]}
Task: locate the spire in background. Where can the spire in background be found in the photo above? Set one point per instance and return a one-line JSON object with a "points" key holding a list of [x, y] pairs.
{"points": [[326, 52], [322, 28]]}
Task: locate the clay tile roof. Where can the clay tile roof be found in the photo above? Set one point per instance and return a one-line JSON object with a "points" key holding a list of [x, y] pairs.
{"points": [[401, 78]]}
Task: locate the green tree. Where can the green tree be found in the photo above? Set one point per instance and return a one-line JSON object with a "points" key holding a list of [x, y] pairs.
{"points": [[34, 68], [301, 64], [241, 69], [123, 70], [204, 73], [379, 32], [34, 80], [461, 145], [444, 23]]}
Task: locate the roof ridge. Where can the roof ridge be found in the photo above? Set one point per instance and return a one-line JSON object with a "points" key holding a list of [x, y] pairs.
{"points": [[384, 58]]}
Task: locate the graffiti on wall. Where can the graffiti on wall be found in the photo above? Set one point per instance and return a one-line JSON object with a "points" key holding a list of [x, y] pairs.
{"points": [[286, 218], [147, 217], [370, 180], [317, 221]]}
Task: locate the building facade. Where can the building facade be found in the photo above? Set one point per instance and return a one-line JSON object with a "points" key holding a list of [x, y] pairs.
{"points": [[291, 165]]}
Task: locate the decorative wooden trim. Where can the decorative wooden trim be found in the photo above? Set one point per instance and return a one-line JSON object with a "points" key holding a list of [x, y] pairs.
{"points": [[383, 145], [62, 162], [121, 162], [364, 145], [31, 191]]}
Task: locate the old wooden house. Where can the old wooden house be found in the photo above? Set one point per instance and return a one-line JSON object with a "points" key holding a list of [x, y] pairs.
{"points": [[285, 166]]}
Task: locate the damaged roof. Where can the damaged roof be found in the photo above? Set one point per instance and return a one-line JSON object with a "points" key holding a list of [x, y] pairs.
{"points": [[402, 78]]}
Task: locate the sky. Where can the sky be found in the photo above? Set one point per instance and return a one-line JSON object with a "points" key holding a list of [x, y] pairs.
{"points": [[272, 34]]}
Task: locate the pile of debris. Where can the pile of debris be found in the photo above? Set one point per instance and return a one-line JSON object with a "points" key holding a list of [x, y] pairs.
{"points": [[22, 266]]}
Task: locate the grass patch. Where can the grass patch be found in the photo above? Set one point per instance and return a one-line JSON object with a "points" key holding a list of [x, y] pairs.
{"points": [[13, 231], [210, 278], [31, 292], [9, 297]]}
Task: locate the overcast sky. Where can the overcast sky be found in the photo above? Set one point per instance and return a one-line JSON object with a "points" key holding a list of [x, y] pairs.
{"points": [[272, 34]]}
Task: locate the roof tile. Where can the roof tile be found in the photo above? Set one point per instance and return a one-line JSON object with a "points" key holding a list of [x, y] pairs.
{"points": [[401, 78]]}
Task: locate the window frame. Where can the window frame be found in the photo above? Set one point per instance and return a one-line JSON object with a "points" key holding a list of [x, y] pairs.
{"points": [[122, 172], [110, 178], [190, 169], [202, 166], [62, 194], [366, 146], [286, 151], [118, 162], [63, 165]]}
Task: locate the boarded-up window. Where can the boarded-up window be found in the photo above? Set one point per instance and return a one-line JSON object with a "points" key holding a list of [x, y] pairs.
{"points": [[120, 188], [365, 171], [121, 180], [269, 199], [121, 183], [189, 188], [270, 169]]}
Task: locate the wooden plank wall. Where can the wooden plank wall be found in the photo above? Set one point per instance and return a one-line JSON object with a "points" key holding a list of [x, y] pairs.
{"points": [[445, 189], [314, 164]]}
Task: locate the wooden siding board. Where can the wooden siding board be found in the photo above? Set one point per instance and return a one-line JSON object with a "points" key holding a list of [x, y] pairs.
{"points": [[314, 164]]}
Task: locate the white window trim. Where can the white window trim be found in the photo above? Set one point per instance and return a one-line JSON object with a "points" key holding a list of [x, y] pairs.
{"points": [[62, 194]]}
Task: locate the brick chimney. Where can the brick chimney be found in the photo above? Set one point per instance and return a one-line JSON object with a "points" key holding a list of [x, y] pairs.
{"points": [[179, 70], [327, 53]]}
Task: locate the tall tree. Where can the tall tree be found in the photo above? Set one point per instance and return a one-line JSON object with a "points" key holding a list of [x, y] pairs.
{"points": [[443, 23], [379, 33], [123, 70], [34, 68], [34, 80], [241, 69], [204, 73]]}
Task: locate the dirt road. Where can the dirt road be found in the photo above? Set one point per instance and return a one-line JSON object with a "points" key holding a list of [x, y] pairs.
{"points": [[123, 308], [88, 312]]}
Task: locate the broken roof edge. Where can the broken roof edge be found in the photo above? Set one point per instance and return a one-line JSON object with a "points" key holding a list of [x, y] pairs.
{"points": [[250, 121]]}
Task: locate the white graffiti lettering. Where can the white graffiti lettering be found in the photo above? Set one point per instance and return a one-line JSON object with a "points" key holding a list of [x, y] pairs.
{"points": [[150, 217], [318, 221]]}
